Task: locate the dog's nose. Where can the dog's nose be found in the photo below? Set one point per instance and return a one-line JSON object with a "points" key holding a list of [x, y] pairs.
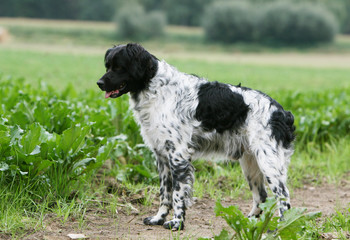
{"points": [[101, 84]]}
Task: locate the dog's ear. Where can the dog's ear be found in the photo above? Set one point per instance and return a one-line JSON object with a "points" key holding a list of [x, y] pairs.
{"points": [[143, 65], [108, 57], [107, 53], [134, 50]]}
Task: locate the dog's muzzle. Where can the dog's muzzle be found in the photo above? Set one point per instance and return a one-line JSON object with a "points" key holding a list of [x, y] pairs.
{"points": [[101, 84]]}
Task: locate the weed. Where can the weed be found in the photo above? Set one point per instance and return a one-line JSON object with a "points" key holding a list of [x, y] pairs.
{"points": [[265, 227]]}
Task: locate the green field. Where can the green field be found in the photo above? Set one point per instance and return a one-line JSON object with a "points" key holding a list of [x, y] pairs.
{"points": [[57, 131], [83, 70]]}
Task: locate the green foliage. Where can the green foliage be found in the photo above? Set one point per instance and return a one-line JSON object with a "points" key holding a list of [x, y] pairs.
{"points": [[336, 226], [55, 140], [184, 12], [292, 23], [340, 9], [276, 22], [58, 139], [180, 12], [134, 23], [265, 227], [320, 116], [229, 22], [340, 223], [65, 9]]}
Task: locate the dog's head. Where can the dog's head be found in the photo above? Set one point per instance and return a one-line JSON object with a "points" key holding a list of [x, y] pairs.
{"points": [[129, 68]]}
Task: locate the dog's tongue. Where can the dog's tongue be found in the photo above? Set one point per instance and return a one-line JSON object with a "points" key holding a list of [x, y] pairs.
{"points": [[108, 94]]}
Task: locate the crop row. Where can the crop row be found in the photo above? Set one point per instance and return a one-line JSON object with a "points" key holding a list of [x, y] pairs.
{"points": [[57, 138], [319, 116]]}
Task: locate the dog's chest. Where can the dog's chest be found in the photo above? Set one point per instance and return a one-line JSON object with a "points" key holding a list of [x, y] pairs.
{"points": [[154, 114]]}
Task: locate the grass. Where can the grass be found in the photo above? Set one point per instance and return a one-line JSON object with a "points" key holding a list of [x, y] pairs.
{"points": [[53, 68], [218, 180], [308, 167], [83, 71], [316, 166], [61, 53]]}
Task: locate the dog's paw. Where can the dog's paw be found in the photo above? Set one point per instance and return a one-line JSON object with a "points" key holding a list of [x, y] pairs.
{"points": [[255, 212], [174, 224], [153, 221]]}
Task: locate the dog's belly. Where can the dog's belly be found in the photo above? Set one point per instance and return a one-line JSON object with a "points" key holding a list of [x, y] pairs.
{"points": [[215, 146]]}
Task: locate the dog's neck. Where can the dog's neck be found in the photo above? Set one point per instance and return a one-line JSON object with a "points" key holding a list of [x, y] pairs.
{"points": [[166, 82], [164, 75]]}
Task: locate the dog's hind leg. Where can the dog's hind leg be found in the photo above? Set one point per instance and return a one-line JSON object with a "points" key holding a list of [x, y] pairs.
{"points": [[255, 180], [165, 179], [273, 164]]}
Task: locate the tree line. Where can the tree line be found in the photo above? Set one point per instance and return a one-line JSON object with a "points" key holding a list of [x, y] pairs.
{"points": [[176, 12]]}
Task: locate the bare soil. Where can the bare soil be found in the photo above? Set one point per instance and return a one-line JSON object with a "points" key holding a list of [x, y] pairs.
{"points": [[200, 222]]}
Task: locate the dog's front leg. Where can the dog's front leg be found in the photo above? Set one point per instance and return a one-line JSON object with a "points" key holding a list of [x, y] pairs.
{"points": [[183, 178], [165, 179]]}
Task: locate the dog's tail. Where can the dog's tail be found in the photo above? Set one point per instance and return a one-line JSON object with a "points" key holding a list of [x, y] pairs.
{"points": [[283, 129]]}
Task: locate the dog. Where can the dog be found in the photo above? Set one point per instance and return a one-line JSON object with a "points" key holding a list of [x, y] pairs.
{"points": [[183, 117]]}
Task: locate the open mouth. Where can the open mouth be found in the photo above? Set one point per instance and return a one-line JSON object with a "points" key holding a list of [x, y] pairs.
{"points": [[116, 93]]}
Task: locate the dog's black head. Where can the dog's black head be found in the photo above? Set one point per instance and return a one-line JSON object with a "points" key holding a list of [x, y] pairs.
{"points": [[129, 68]]}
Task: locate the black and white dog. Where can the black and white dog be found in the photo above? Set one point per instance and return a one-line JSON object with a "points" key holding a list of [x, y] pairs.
{"points": [[184, 117]]}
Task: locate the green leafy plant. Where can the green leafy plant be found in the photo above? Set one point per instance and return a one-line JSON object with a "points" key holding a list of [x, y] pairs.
{"points": [[319, 116], [54, 140], [267, 226]]}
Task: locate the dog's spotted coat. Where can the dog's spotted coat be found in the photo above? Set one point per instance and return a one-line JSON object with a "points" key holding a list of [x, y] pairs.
{"points": [[184, 117]]}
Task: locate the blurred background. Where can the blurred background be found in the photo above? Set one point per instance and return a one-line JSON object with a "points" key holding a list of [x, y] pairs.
{"points": [[189, 34]]}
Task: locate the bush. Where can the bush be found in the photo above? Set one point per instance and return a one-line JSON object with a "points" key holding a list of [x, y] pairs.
{"points": [[287, 22], [134, 23], [184, 12], [229, 22], [276, 22]]}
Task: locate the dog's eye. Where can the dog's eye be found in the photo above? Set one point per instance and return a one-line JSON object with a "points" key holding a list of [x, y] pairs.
{"points": [[117, 69]]}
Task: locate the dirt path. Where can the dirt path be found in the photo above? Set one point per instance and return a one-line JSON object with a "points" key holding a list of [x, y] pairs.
{"points": [[200, 222]]}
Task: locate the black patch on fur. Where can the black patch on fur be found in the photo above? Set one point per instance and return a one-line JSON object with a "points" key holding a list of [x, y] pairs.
{"points": [[282, 122], [238, 154], [219, 108], [262, 193], [268, 180], [169, 146], [148, 221], [283, 189], [171, 225], [282, 125]]}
